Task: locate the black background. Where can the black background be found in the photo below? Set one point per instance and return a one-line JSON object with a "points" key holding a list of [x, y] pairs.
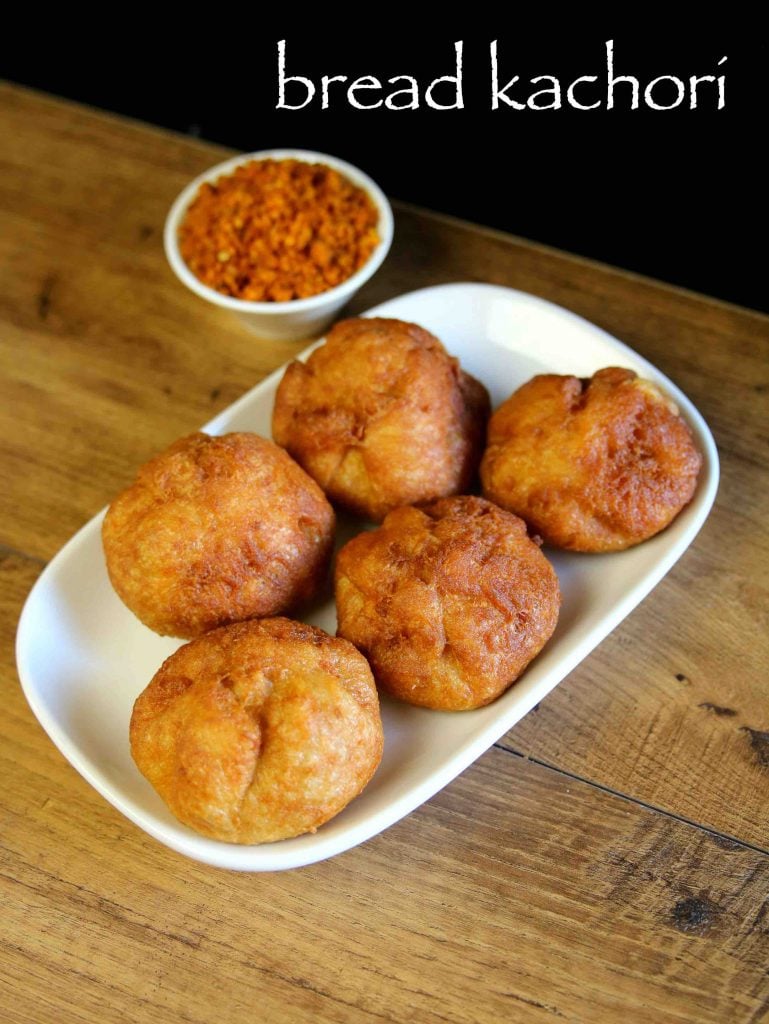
{"points": [[678, 195]]}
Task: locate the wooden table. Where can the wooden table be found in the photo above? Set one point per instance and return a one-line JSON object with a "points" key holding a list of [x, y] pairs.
{"points": [[608, 860]]}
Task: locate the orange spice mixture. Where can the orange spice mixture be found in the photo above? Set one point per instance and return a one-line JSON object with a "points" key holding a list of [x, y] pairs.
{"points": [[275, 230]]}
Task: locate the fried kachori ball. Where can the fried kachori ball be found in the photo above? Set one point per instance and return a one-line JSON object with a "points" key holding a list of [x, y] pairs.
{"points": [[259, 731], [593, 464], [381, 416], [449, 602], [216, 530]]}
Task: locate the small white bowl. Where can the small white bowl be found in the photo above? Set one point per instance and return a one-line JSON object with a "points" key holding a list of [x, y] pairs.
{"points": [[296, 318]]}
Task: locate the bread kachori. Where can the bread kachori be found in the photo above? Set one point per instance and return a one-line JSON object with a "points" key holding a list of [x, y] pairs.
{"points": [[381, 416], [449, 601], [216, 530], [259, 731], [593, 464]]}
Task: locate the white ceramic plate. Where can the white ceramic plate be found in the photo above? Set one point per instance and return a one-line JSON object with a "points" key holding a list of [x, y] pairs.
{"points": [[83, 658]]}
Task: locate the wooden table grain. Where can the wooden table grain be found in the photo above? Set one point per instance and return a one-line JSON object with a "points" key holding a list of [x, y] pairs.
{"points": [[607, 860]]}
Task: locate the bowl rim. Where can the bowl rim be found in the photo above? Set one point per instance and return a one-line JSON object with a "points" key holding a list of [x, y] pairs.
{"points": [[360, 178]]}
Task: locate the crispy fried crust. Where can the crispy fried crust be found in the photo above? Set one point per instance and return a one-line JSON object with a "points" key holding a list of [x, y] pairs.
{"points": [[216, 530], [259, 731], [449, 602], [381, 416], [591, 465]]}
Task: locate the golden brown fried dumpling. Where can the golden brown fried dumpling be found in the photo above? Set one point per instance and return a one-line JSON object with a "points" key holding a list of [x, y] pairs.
{"points": [[381, 416], [259, 731], [216, 530], [449, 602], [591, 465]]}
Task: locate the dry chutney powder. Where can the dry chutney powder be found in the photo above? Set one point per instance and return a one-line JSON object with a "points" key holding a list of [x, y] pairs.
{"points": [[276, 230]]}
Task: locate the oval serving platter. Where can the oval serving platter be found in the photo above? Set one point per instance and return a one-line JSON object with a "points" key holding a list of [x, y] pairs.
{"points": [[83, 658]]}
